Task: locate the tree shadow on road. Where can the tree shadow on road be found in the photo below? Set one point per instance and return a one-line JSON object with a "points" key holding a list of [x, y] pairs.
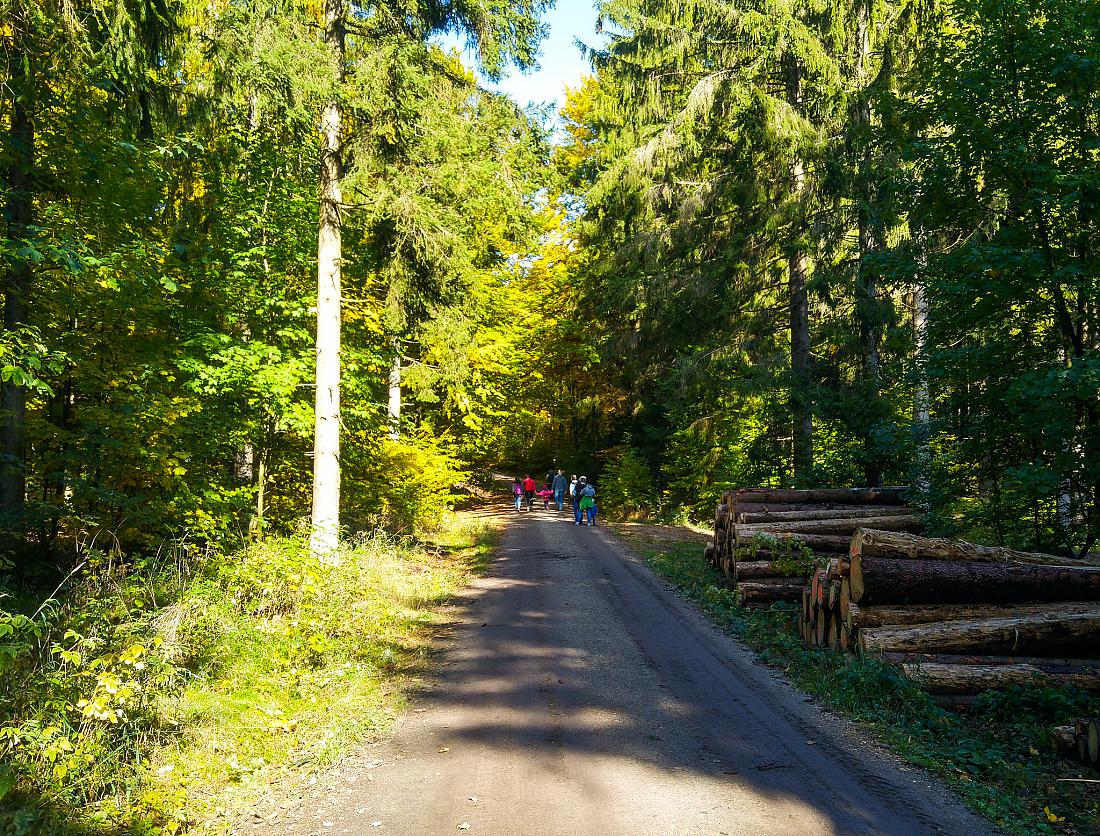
{"points": [[570, 649]]}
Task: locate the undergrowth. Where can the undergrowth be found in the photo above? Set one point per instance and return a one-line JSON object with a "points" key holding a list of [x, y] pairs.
{"points": [[154, 696], [997, 754]]}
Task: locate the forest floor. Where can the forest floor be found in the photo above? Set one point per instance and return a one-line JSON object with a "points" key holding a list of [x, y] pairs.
{"points": [[575, 692]]}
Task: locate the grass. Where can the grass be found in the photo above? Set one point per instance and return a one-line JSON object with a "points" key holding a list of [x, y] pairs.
{"points": [[258, 669], [997, 755]]}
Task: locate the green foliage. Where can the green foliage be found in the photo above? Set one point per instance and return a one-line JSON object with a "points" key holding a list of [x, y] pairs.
{"points": [[151, 696], [406, 486], [791, 557]]}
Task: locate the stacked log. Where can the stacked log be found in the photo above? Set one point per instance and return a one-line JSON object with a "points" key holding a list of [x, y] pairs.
{"points": [[1086, 735], [960, 618], [764, 538], [1079, 740]]}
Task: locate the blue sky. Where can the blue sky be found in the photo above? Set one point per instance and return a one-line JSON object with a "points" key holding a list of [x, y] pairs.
{"points": [[560, 62]]}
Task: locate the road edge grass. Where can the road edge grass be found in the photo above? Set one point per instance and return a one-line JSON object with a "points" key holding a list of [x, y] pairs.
{"points": [[997, 756], [228, 691]]}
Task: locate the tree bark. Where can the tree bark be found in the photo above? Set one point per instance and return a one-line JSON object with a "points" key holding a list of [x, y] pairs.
{"points": [[795, 516], [972, 679], [326, 450], [879, 580], [17, 284], [787, 507], [1051, 663], [898, 616], [898, 522], [891, 495], [394, 410], [866, 279], [752, 569], [761, 593], [798, 270], [869, 542], [1075, 630], [921, 394]]}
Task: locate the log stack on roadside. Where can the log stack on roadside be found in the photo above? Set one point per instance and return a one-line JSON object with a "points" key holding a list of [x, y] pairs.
{"points": [[956, 617], [764, 540]]}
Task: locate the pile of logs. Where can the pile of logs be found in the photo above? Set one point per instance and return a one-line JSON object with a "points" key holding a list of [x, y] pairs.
{"points": [[764, 538], [956, 617]]}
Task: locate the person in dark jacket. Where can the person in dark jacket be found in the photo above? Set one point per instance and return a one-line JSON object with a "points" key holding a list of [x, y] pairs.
{"points": [[577, 496], [559, 489]]}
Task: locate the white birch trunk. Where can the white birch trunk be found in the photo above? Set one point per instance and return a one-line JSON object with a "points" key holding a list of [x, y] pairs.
{"points": [[325, 534], [395, 393]]}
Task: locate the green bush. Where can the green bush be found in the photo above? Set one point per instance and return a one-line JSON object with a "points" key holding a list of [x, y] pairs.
{"points": [[404, 486], [153, 693]]}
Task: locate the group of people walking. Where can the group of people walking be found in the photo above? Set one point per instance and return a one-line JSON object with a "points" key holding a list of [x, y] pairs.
{"points": [[582, 495]]}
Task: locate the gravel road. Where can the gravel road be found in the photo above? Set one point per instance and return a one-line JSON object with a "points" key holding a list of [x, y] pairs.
{"points": [[578, 695]]}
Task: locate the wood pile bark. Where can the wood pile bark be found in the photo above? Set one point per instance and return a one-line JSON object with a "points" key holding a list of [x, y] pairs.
{"points": [[1080, 740], [956, 617], [764, 538]]}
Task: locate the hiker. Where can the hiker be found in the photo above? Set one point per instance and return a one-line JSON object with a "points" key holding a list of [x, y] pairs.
{"points": [[517, 491], [588, 504], [559, 489], [528, 490], [545, 495], [550, 479], [578, 490]]}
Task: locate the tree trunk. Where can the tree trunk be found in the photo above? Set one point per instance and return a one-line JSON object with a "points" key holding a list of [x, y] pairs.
{"points": [[794, 516], [17, 285], [890, 616], [763, 593], [1073, 631], [256, 529], [879, 580], [921, 394], [326, 449], [1047, 663], [752, 569], [866, 278], [898, 522], [395, 392], [972, 679], [788, 507], [892, 495], [869, 542], [798, 269]]}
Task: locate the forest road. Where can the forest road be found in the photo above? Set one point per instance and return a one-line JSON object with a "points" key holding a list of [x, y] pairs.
{"points": [[578, 695]]}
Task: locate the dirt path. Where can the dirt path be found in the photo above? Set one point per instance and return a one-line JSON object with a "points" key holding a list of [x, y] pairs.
{"points": [[580, 696]]}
